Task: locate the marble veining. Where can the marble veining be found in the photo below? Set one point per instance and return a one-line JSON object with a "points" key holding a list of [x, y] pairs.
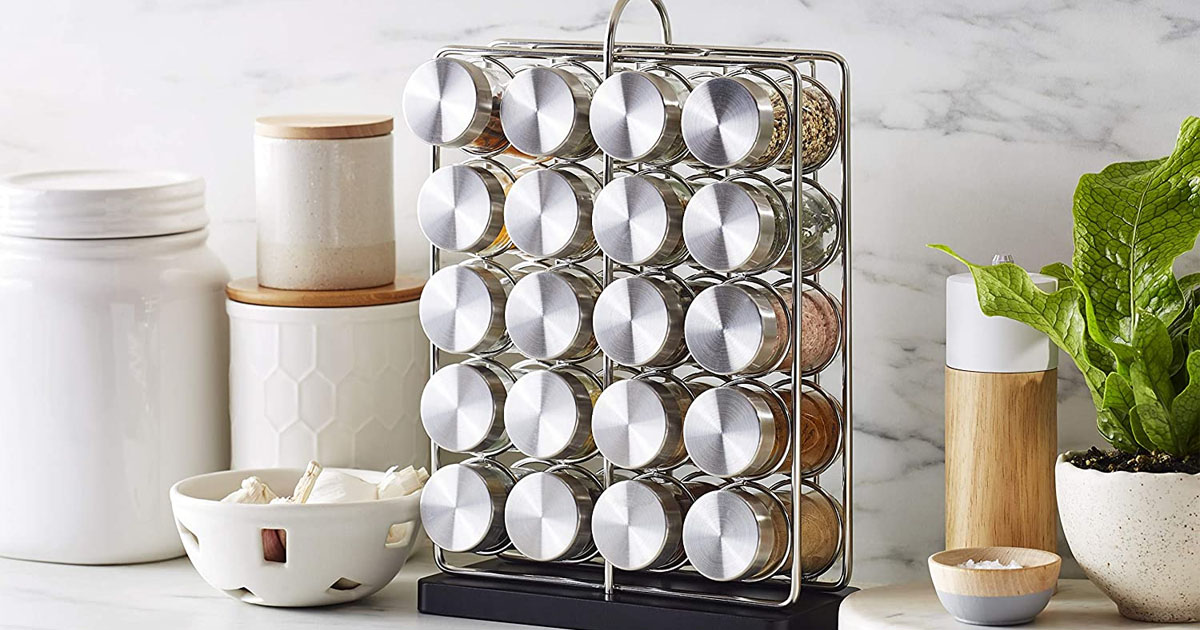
{"points": [[972, 123]]}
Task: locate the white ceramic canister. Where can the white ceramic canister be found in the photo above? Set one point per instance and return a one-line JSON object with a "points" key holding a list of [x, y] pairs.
{"points": [[113, 363], [334, 376], [323, 185]]}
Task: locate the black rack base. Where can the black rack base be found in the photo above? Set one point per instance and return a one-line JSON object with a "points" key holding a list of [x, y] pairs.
{"points": [[493, 599]]}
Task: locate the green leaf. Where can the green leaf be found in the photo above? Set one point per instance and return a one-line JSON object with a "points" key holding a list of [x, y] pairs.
{"points": [[1152, 343], [1194, 331], [1150, 426], [1061, 272], [1113, 416], [1006, 290], [1189, 283], [1132, 220], [1185, 412]]}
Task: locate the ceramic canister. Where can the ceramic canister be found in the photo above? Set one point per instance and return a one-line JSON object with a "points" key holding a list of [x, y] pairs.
{"points": [[323, 188], [334, 376], [113, 365]]}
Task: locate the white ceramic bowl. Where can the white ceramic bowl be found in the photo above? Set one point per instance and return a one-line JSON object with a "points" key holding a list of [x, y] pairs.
{"points": [[327, 544]]}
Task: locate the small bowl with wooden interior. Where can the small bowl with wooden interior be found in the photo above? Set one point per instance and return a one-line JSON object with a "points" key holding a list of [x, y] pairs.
{"points": [[291, 554], [995, 597]]}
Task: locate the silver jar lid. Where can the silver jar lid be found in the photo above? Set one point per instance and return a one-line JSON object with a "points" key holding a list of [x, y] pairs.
{"points": [[635, 116], [734, 329], [462, 309], [462, 506], [461, 208], [731, 431], [549, 213], [548, 515], [638, 220], [545, 112], [462, 408], [638, 525], [638, 321], [731, 535], [731, 226], [638, 423], [549, 315], [728, 121], [548, 415], [448, 102]]}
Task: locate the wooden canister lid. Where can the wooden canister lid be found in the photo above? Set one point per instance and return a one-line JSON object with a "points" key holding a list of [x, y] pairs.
{"points": [[323, 126], [248, 291]]}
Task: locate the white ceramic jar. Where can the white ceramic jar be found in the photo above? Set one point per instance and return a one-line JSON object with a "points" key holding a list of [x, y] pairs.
{"points": [[334, 376], [113, 365], [323, 186]]}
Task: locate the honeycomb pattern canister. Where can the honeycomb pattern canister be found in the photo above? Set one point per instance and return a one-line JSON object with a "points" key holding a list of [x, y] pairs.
{"points": [[331, 376]]}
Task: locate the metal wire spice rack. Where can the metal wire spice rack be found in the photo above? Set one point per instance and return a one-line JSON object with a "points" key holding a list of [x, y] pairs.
{"points": [[588, 579]]}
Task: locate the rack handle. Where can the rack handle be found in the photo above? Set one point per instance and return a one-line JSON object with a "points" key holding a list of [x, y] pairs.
{"points": [[614, 18]]}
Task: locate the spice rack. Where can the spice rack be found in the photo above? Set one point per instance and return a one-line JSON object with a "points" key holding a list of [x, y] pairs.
{"points": [[586, 592]]}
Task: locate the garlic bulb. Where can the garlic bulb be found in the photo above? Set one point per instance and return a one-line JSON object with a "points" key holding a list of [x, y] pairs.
{"points": [[253, 490], [399, 483], [335, 486]]}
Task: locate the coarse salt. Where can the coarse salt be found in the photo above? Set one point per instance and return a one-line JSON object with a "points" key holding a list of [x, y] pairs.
{"points": [[990, 564]]}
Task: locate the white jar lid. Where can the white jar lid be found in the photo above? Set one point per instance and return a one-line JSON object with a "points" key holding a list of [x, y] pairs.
{"points": [[100, 204]]}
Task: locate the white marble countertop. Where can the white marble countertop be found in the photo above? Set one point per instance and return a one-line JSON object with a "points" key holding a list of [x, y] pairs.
{"points": [[1078, 606], [172, 595]]}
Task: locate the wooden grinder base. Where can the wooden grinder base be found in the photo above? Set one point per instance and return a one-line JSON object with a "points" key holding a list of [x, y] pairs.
{"points": [[1001, 443]]}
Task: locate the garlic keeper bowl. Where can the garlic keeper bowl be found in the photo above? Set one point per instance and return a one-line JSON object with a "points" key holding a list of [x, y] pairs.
{"points": [[336, 552]]}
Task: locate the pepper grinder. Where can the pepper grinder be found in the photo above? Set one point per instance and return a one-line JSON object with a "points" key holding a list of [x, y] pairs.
{"points": [[1001, 424]]}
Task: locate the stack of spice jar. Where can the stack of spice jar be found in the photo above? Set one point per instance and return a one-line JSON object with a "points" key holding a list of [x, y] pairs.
{"points": [[327, 358], [524, 318]]}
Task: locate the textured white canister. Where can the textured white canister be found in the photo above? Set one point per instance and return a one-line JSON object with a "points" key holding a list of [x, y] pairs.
{"points": [[113, 364], [323, 187], [334, 376], [978, 343]]}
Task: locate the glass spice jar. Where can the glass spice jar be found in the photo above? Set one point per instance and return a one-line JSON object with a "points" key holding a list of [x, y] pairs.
{"points": [[742, 121], [548, 212], [761, 340], [462, 307], [737, 430], [453, 102], [545, 111], [744, 533], [637, 524], [549, 314], [635, 116], [638, 422], [737, 226], [462, 406], [638, 320], [462, 506], [548, 515], [638, 219], [548, 412], [461, 208]]}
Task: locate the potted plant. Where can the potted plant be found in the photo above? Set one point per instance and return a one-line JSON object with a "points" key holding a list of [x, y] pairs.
{"points": [[1131, 514]]}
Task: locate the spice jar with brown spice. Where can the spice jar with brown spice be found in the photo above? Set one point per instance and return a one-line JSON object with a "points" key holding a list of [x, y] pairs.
{"points": [[743, 121], [453, 102]]}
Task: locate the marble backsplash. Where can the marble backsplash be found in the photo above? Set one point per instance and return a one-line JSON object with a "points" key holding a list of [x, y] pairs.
{"points": [[972, 123]]}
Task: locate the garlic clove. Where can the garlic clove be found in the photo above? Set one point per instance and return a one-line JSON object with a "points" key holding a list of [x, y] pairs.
{"points": [[334, 486], [253, 490]]}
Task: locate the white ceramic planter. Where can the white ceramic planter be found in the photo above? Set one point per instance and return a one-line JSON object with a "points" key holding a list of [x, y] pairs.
{"points": [[1136, 536], [113, 364], [338, 385], [342, 544], [323, 188]]}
